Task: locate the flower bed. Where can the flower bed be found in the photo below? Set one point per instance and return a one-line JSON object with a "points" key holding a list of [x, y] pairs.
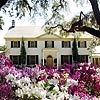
{"points": [[79, 82]]}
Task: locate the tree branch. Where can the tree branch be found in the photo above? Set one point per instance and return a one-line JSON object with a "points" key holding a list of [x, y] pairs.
{"points": [[59, 25], [92, 31]]}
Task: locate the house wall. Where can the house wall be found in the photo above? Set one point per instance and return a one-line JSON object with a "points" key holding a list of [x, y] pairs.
{"points": [[41, 46]]}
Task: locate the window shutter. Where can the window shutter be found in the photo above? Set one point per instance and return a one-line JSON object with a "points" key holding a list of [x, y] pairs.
{"points": [[35, 44], [86, 58], [28, 44], [70, 59], [11, 44], [93, 60], [55, 60], [79, 58], [69, 44], [45, 44], [27, 59], [61, 59], [78, 43], [10, 57], [52, 44], [62, 44], [37, 59], [18, 44], [85, 44], [19, 60]]}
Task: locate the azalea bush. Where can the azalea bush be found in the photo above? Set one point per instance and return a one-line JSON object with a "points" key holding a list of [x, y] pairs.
{"points": [[70, 82]]}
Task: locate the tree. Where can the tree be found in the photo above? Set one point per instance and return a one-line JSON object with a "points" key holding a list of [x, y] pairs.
{"points": [[23, 53], [75, 51], [41, 7]]}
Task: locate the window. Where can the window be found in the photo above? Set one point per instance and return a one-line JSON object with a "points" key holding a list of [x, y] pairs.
{"points": [[15, 59], [32, 44], [32, 59], [83, 58], [82, 44], [66, 59], [66, 44], [15, 44], [49, 44], [96, 61]]}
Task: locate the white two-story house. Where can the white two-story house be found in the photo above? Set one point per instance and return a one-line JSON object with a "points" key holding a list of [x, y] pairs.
{"points": [[43, 48]]}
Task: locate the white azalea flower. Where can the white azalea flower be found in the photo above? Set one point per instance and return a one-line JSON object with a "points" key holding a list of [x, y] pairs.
{"points": [[56, 88], [60, 96], [71, 81], [19, 92], [10, 77], [52, 96], [76, 97], [25, 80], [53, 81], [56, 75]]}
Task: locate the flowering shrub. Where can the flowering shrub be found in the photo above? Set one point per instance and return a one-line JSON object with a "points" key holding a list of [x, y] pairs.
{"points": [[79, 82]]}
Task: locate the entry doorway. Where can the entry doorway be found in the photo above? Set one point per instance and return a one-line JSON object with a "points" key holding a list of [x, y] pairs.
{"points": [[49, 60]]}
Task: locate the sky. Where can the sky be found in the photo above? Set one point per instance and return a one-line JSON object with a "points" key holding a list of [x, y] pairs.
{"points": [[74, 10]]}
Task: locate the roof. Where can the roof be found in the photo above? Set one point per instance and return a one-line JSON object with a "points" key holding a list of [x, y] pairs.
{"points": [[24, 31], [35, 31], [80, 35]]}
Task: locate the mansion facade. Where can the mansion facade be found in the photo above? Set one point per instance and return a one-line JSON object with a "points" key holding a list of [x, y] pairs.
{"points": [[44, 49]]}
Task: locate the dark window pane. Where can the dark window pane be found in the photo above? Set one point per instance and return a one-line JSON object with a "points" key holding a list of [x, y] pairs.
{"points": [[15, 59], [32, 59], [66, 59], [32, 44], [83, 58], [49, 44], [15, 44], [82, 44]]}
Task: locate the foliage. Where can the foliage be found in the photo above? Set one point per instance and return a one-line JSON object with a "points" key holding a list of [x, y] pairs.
{"points": [[3, 48], [23, 53], [42, 83], [75, 51], [33, 7]]}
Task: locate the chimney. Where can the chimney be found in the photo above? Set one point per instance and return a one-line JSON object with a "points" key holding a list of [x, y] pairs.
{"points": [[13, 23]]}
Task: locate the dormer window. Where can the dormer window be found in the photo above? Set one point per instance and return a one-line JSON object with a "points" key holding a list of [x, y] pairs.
{"points": [[49, 44], [32, 44], [15, 44]]}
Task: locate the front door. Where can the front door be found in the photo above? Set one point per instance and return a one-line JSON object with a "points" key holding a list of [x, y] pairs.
{"points": [[49, 61]]}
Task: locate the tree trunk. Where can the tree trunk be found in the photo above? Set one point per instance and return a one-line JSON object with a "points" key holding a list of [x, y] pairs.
{"points": [[95, 7]]}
